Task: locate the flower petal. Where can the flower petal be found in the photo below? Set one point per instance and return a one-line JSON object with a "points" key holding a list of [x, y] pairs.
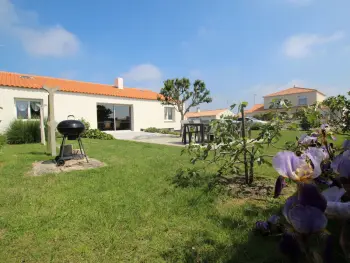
{"points": [[286, 163], [341, 164], [279, 185], [307, 140], [309, 195], [333, 194], [307, 219], [290, 203], [324, 126], [316, 156], [346, 144]]}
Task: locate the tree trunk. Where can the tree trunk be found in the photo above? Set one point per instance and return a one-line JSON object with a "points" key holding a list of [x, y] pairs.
{"points": [[182, 118], [246, 172], [251, 168]]}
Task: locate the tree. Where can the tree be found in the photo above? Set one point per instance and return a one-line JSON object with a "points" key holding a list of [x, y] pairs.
{"points": [[339, 112], [178, 93]]}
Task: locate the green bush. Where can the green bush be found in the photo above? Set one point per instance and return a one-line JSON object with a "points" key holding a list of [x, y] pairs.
{"points": [[293, 126], [97, 134], [21, 131], [256, 126], [152, 130], [162, 131], [305, 125], [87, 126], [2, 141]]}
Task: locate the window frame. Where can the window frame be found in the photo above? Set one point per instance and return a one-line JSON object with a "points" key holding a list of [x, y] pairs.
{"points": [[302, 98], [28, 100], [167, 115]]}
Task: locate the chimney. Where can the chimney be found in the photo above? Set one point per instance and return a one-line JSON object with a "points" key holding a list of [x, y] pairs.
{"points": [[198, 109], [118, 83]]}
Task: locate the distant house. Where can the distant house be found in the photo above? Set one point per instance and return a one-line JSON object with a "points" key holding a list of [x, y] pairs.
{"points": [[299, 97], [208, 115]]}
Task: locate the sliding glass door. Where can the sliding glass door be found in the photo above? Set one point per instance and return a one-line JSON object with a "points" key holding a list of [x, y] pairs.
{"points": [[112, 117]]}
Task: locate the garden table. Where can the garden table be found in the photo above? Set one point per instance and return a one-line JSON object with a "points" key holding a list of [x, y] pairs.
{"points": [[199, 128]]}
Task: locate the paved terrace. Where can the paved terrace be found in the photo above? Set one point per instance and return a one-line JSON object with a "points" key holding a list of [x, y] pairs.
{"points": [[156, 138]]}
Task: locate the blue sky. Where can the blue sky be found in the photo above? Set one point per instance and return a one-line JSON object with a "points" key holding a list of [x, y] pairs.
{"points": [[239, 48]]}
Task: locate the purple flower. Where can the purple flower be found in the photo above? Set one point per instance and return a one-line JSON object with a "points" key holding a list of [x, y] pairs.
{"points": [[341, 164], [305, 211], [279, 185], [316, 156], [289, 165], [346, 145], [307, 219], [307, 140], [309, 195], [324, 126]]}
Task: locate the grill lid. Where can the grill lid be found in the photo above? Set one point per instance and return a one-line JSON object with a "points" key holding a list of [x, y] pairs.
{"points": [[71, 127]]}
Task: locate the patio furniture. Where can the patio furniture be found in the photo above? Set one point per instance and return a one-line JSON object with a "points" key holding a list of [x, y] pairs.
{"points": [[195, 128]]}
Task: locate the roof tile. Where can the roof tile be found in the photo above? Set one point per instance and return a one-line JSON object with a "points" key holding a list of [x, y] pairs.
{"points": [[36, 82], [293, 90], [204, 113]]}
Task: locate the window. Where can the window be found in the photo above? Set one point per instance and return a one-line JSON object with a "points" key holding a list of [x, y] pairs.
{"points": [[302, 100], [169, 114], [28, 109]]}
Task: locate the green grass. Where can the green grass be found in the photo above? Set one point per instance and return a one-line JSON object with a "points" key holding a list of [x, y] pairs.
{"points": [[128, 211]]}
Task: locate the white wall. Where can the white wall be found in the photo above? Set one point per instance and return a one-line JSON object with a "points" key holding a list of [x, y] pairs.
{"points": [[145, 113], [226, 113], [7, 102]]}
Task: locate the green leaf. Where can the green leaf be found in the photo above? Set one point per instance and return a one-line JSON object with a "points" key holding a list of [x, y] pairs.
{"points": [[244, 104]]}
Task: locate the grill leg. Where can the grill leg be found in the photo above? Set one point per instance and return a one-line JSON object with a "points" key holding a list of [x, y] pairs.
{"points": [[81, 146], [62, 144]]}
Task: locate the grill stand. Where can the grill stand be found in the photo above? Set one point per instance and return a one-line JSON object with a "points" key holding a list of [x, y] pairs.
{"points": [[60, 159]]}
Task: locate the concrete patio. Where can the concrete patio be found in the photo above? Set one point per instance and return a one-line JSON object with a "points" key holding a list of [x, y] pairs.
{"points": [[147, 137]]}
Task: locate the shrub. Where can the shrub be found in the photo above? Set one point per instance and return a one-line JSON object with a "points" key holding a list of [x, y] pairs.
{"points": [[152, 130], [20, 132], [256, 126], [97, 134], [87, 126], [2, 141], [305, 125], [293, 126], [162, 131]]}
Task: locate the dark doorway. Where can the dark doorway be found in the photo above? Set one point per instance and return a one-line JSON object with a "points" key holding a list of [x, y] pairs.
{"points": [[112, 117]]}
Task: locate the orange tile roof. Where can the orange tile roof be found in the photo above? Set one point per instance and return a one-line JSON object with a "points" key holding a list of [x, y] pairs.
{"points": [[256, 107], [36, 82], [293, 90], [204, 113]]}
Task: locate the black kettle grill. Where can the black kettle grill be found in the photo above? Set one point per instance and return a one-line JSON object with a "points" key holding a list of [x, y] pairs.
{"points": [[71, 130]]}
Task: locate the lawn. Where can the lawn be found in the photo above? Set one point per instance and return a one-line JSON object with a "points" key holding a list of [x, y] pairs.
{"points": [[128, 211]]}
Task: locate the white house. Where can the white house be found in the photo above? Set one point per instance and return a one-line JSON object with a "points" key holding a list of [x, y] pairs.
{"points": [[208, 115], [106, 107]]}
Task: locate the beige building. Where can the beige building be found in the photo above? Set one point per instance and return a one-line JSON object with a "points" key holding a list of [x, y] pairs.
{"points": [[299, 97], [208, 115]]}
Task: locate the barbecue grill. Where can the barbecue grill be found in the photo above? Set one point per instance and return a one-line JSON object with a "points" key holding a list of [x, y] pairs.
{"points": [[71, 129]]}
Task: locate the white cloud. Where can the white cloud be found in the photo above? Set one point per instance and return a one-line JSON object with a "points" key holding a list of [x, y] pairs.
{"points": [[300, 46], [144, 76], [143, 72], [37, 40]]}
